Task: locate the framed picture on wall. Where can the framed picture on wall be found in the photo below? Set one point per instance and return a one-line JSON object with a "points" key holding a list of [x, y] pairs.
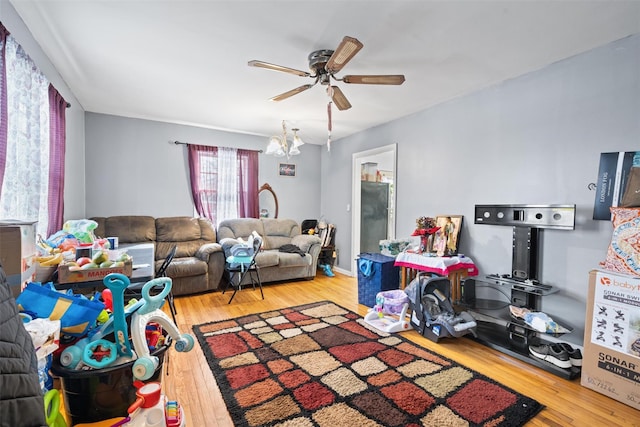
{"points": [[287, 169], [445, 241]]}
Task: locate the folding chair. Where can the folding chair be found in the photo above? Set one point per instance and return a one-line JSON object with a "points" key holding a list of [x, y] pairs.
{"points": [[135, 289], [237, 267], [162, 272]]}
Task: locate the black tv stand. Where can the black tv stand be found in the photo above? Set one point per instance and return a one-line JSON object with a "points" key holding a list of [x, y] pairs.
{"points": [[497, 327]]}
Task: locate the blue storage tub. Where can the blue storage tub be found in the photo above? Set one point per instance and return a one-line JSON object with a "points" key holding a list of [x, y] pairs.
{"points": [[376, 273]]}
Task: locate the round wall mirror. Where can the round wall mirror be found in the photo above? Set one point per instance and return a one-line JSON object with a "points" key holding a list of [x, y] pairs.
{"points": [[268, 202]]}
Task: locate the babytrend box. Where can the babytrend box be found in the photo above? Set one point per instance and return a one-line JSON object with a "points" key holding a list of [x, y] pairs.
{"points": [[611, 361]]}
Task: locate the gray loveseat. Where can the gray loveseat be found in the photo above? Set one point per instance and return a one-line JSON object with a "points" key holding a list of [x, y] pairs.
{"points": [[274, 265], [199, 261]]}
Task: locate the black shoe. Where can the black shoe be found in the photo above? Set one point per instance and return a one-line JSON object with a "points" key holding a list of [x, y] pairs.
{"points": [[575, 355], [551, 353]]}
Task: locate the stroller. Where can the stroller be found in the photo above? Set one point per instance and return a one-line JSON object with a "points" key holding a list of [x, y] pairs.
{"points": [[433, 315]]}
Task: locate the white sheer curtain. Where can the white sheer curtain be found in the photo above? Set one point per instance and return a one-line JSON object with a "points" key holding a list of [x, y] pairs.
{"points": [[26, 178], [228, 190]]}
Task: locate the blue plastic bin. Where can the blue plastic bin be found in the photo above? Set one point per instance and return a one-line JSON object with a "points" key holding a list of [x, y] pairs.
{"points": [[376, 273]]}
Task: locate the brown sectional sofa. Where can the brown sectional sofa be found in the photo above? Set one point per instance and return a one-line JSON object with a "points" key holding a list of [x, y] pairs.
{"points": [[199, 261]]}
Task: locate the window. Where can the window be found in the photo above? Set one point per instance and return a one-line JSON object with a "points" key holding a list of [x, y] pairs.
{"points": [[224, 182], [32, 141]]}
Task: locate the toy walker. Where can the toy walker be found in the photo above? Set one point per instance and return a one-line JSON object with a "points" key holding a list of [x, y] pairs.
{"points": [[97, 352], [395, 303], [146, 364]]}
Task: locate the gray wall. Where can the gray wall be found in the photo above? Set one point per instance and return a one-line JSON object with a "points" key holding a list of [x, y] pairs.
{"points": [[134, 168], [74, 203], [535, 139]]}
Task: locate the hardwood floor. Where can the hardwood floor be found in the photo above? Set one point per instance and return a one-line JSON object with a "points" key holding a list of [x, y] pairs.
{"points": [[189, 380]]}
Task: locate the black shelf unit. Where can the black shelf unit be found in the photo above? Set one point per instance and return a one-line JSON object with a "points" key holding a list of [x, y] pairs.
{"points": [[497, 328]]}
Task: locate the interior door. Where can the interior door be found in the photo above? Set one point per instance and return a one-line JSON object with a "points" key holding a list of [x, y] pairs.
{"points": [[374, 215]]}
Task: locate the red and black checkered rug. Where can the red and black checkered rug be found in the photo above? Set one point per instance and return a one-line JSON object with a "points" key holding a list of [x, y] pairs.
{"points": [[320, 365]]}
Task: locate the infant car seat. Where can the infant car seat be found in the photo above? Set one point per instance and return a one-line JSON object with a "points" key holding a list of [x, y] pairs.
{"points": [[433, 314]]}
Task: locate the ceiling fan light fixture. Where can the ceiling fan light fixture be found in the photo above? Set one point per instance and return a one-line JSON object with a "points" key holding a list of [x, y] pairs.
{"points": [[343, 54], [297, 142], [291, 92], [396, 79], [276, 147], [274, 67], [294, 151], [279, 147], [339, 99]]}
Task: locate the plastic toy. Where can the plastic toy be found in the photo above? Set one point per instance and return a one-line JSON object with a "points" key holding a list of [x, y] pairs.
{"points": [[118, 283], [173, 414], [107, 298], [148, 395], [150, 311], [99, 354], [395, 303], [153, 335], [72, 356], [82, 229], [52, 409]]}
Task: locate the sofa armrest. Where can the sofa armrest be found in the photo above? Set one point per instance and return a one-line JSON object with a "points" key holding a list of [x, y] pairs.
{"points": [[305, 242], [205, 251]]}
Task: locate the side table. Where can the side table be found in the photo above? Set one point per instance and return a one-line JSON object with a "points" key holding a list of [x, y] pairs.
{"points": [[455, 268]]}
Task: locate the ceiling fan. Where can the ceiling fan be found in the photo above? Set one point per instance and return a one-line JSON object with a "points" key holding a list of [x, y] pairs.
{"points": [[324, 64]]}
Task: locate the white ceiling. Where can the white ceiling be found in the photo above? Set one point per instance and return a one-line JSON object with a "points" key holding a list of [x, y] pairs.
{"points": [[186, 61]]}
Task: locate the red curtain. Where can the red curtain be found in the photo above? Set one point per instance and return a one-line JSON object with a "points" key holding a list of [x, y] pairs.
{"points": [[57, 148]]}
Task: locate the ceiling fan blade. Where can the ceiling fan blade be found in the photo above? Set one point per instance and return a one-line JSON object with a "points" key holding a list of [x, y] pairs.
{"points": [[346, 50], [292, 92], [339, 99], [268, 66], [396, 79]]}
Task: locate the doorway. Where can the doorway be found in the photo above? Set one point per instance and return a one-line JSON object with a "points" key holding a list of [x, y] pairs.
{"points": [[379, 220]]}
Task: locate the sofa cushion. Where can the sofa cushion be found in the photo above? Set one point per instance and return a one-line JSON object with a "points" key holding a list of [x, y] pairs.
{"points": [[304, 241], [241, 227], [268, 258], [188, 234], [129, 228], [278, 232], [185, 267], [293, 260]]}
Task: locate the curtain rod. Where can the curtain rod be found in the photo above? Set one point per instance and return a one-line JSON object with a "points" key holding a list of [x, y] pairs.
{"points": [[186, 143]]}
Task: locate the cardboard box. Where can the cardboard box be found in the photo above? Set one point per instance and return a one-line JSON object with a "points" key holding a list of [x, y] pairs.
{"points": [[18, 250], [611, 360], [91, 274]]}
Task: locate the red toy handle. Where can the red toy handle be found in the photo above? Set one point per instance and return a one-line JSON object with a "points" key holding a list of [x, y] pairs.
{"points": [[135, 405]]}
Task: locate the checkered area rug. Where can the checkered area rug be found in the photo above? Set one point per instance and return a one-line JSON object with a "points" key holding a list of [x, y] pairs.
{"points": [[321, 365]]}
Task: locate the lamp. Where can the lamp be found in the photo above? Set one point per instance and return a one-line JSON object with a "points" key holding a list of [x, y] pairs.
{"points": [[279, 147]]}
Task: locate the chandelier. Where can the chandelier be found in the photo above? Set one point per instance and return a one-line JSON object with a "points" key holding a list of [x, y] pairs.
{"points": [[279, 146]]}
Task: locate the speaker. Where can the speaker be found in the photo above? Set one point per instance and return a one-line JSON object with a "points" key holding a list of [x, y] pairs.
{"points": [[524, 264], [468, 289]]}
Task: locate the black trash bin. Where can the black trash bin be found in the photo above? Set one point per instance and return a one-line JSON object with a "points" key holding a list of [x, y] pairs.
{"points": [[100, 394]]}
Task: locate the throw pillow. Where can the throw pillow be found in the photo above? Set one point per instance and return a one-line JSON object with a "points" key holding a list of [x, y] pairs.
{"points": [[623, 255]]}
